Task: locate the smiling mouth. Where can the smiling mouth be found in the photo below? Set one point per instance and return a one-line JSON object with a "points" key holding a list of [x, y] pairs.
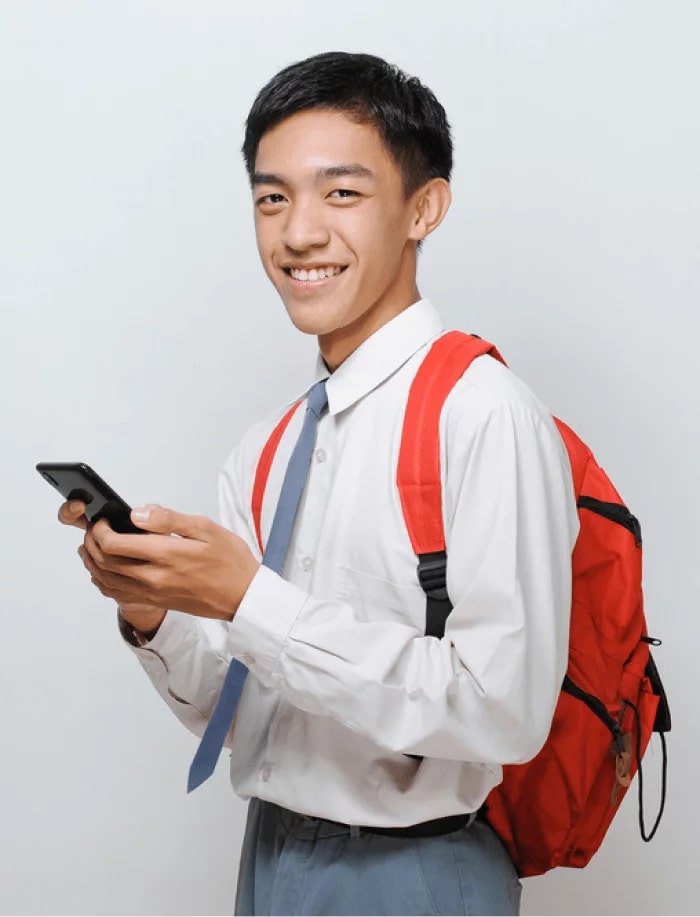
{"points": [[310, 279]]}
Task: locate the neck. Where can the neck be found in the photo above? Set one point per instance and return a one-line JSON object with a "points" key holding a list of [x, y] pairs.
{"points": [[336, 347]]}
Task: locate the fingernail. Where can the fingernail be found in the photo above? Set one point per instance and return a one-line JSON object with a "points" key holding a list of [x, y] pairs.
{"points": [[74, 506], [140, 514]]}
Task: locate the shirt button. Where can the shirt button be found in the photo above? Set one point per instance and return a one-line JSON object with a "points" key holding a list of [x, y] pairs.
{"points": [[266, 772], [306, 564], [320, 455]]}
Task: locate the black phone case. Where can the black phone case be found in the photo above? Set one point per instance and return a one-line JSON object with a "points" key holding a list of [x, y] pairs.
{"points": [[78, 481]]}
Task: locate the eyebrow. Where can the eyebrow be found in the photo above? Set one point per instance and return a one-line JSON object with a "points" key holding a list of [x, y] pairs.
{"points": [[342, 170]]}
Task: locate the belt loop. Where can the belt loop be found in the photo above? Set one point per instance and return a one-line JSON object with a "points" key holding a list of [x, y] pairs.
{"points": [[354, 830]]}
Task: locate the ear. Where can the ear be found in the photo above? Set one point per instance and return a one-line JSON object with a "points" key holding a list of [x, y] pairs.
{"points": [[432, 201]]}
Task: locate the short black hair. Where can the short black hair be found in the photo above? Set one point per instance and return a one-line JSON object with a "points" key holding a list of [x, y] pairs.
{"points": [[411, 123]]}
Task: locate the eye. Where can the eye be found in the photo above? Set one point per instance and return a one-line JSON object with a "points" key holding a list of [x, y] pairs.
{"points": [[268, 199], [345, 192]]}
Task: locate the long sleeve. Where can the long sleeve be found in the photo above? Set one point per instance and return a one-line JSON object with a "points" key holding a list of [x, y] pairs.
{"points": [[343, 682], [486, 691], [188, 657]]}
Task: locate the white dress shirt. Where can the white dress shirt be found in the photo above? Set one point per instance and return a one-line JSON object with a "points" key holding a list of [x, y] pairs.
{"points": [[343, 682]]}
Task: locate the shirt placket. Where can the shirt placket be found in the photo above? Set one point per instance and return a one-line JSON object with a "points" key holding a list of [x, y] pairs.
{"points": [[307, 530]]}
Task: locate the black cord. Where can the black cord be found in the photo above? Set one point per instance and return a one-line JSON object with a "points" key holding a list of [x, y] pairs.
{"points": [[647, 837]]}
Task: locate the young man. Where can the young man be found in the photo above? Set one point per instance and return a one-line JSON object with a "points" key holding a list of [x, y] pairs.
{"points": [[364, 746]]}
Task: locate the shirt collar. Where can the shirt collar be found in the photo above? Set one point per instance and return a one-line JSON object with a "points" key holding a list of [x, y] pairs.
{"points": [[379, 356]]}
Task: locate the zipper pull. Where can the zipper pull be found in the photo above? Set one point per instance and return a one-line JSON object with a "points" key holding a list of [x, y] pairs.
{"points": [[623, 764]]}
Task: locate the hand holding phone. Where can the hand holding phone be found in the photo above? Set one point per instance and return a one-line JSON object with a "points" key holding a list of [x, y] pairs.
{"points": [[78, 481], [73, 514], [188, 563]]}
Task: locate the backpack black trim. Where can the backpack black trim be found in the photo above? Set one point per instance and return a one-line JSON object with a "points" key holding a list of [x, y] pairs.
{"points": [[617, 512]]}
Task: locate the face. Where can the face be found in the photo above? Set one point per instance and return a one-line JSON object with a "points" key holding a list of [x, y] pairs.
{"points": [[336, 236]]}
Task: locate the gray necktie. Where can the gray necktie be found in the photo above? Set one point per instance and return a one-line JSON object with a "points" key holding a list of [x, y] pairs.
{"points": [[212, 741]]}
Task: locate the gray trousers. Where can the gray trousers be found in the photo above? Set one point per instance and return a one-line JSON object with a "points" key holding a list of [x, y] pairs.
{"points": [[291, 864]]}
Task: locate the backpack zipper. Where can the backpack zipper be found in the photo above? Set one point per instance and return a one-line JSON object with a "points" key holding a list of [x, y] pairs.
{"points": [[617, 512], [596, 706]]}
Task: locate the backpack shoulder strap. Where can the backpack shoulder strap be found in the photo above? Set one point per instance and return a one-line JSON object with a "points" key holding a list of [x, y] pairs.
{"points": [[418, 473], [262, 472], [580, 455]]}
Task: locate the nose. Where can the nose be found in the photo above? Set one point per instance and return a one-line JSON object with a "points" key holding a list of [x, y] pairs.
{"points": [[304, 227]]}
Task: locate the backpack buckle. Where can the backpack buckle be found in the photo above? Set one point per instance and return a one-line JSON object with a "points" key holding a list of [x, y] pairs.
{"points": [[432, 574]]}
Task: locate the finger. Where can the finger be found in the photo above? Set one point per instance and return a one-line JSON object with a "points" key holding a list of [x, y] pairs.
{"points": [[114, 585], [157, 547], [110, 562], [113, 548], [93, 548], [91, 564], [159, 519], [73, 513]]}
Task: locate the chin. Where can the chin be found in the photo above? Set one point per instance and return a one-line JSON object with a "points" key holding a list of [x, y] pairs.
{"points": [[308, 326], [314, 319]]}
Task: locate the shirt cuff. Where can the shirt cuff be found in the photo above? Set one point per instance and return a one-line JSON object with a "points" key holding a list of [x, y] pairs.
{"points": [[264, 619], [132, 635]]}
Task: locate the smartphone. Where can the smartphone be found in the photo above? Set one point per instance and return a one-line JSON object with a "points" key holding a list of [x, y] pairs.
{"points": [[77, 481]]}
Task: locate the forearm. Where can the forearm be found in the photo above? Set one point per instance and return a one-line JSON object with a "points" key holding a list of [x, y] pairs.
{"points": [[475, 695], [486, 692], [186, 662]]}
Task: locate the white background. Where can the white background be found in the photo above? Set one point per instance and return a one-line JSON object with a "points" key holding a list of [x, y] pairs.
{"points": [[139, 334]]}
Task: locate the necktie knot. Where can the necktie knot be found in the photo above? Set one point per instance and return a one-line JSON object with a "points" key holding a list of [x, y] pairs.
{"points": [[317, 398]]}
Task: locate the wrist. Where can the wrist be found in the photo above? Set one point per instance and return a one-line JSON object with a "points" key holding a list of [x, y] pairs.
{"points": [[139, 633], [251, 573], [227, 605]]}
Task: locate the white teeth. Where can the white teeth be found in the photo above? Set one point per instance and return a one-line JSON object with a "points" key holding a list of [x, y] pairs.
{"points": [[315, 274]]}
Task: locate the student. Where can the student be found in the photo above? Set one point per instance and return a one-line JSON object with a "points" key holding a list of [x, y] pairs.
{"points": [[364, 746]]}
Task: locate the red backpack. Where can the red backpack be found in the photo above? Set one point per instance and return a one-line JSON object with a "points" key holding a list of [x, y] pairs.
{"points": [[555, 809]]}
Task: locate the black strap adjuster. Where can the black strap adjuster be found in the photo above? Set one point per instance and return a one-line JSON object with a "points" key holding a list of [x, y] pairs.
{"points": [[432, 574]]}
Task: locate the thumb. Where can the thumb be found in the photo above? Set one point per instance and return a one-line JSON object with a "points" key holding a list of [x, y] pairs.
{"points": [[159, 520], [151, 518]]}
